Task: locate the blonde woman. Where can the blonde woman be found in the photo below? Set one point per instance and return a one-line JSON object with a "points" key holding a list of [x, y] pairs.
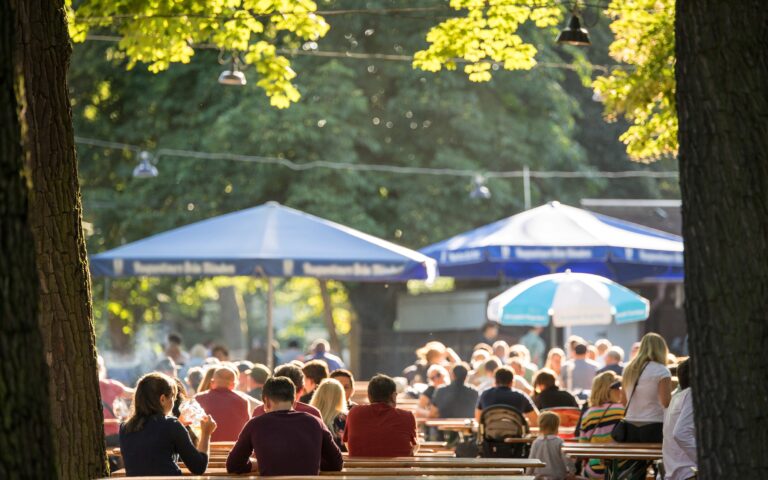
{"points": [[646, 401], [605, 411], [205, 383], [555, 359], [329, 398]]}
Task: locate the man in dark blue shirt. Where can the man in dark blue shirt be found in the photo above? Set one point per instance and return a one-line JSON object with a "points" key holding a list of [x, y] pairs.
{"points": [[503, 394]]}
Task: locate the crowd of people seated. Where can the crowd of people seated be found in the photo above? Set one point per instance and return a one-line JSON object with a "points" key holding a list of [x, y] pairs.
{"points": [[299, 419]]}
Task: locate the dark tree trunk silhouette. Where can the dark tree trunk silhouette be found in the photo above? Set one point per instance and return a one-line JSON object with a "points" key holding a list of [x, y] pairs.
{"points": [[722, 101], [25, 416], [65, 317]]}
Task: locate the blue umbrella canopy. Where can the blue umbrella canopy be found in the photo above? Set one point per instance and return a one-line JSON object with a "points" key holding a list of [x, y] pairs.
{"points": [[570, 299], [554, 238], [270, 240]]}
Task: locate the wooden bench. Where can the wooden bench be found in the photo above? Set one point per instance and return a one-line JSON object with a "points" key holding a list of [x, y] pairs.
{"points": [[444, 473], [396, 466]]}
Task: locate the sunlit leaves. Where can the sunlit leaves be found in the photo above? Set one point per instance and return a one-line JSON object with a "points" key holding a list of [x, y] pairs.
{"points": [[485, 34], [159, 33], [644, 94]]}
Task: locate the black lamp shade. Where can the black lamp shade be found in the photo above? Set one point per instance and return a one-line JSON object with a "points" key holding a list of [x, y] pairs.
{"points": [[574, 34]]}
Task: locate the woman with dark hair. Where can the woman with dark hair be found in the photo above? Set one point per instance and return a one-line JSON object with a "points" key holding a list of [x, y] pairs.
{"points": [[151, 440], [547, 394]]}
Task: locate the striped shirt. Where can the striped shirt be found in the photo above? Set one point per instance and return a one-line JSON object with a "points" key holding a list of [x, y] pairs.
{"points": [[596, 426]]}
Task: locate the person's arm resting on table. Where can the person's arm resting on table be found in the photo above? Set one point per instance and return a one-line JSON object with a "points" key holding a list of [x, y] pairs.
{"points": [[330, 455], [239, 458]]}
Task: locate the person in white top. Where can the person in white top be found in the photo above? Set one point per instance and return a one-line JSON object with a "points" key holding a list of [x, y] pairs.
{"points": [[648, 387], [679, 448]]}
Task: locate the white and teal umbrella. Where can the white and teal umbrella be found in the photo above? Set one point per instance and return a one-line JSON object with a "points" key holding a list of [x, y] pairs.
{"points": [[569, 299]]}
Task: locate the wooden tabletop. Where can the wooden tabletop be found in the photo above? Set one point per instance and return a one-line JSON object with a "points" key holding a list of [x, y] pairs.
{"points": [[431, 462], [615, 454], [620, 446]]}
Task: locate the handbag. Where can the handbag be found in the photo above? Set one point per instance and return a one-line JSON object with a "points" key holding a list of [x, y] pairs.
{"points": [[620, 432]]}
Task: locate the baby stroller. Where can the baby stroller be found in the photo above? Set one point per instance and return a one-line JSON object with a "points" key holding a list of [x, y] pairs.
{"points": [[500, 432]]}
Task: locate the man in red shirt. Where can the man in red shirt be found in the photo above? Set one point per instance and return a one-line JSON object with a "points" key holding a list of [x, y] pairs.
{"points": [[221, 402], [294, 374], [380, 429], [284, 441]]}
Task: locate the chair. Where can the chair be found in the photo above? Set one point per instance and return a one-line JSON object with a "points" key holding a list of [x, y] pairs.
{"points": [[569, 417]]}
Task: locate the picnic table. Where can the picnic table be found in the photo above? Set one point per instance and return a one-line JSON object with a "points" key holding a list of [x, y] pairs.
{"points": [[613, 453]]}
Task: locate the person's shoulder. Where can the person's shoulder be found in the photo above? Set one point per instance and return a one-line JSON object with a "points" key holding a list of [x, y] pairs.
{"points": [[658, 369]]}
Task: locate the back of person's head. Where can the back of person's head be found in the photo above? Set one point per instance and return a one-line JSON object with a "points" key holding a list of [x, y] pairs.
{"points": [[146, 399], [615, 353], [316, 370], [544, 379], [243, 366], [601, 388], [292, 372], [460, 372], [329, 398], [549, 423], [491, 365], [521, 351], [653, 348], [320, 346], [194, 377], [499, 346], [483, 346], [175, 339], [574, 340], [504, 376], [225, 377], [381, 388], [260, 373], [603, 345], [580, 349], [198, 351], [293, 343], [684, 374], [279, 389], [480, 356]]}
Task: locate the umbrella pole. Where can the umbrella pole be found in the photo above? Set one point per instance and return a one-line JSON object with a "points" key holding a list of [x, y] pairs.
{"points": [[552, 334], [270, 326]]}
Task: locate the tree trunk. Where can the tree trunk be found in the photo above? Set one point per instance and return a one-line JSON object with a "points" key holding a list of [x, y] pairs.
{"points": [[25, 418], [65, 316], [330, 325], [375, 306], [233, 328], [722, 101]]}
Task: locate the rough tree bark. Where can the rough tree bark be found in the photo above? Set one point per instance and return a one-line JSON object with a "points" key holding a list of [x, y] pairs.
{"points": [[65, 317], [330, 325], [26, 450], [722, 101]]}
